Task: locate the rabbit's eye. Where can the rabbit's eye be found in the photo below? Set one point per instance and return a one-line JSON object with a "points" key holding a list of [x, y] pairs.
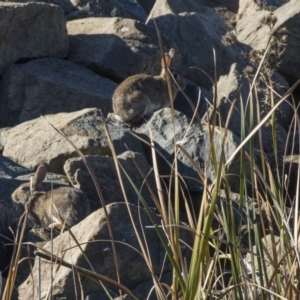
{"points": [[176, 76], [24, 188]]}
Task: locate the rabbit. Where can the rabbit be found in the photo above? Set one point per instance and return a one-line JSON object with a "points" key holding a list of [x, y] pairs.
{"points": [[140, 95], [52, 208]]}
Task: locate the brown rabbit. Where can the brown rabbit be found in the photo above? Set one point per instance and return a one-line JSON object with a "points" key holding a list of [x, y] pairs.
{"points": [[51, 208], [140, 95]]}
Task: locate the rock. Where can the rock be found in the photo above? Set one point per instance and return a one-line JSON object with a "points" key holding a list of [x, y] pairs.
{"points": [[147, 5], [190, 6], [1, 140], [96, 246], [273, 252], [194, 93], [248, 7], [114, 47], [140, 291], [198, 46], [10, 170], [66, 5], [107, 178], [234, 88], [194, 141], [130, 9], [35, 141], [258, 35], [284, 24], [232, 5], [22, 39], [48, 86]]}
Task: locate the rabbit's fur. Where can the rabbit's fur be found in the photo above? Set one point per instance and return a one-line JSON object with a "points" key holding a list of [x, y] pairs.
{"points": [[53, 208], [140, 95]]}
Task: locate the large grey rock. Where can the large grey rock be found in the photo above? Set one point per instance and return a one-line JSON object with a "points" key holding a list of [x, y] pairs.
{"points": [[66, 5], [35, 141], [233, 90], [51, 85], [284, 22], [195, 142], [75, 9], [107, 178], [21, 38], [93, 236], [198, 6], [114, 47], [204, 36]]}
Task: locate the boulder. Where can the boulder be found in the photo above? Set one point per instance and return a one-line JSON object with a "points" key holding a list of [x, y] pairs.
{"points": [[248, 7], [274, 255], [114, 47], [194, 94], [23, 39], [231, 5], [1, 140], [35, 141], [48, 86], [96, 246], [147, 5], [130, 9], [195, 142], [66, 5], [75, 9], [283, 24], [107, 178], [197, 47], [233, 89]]}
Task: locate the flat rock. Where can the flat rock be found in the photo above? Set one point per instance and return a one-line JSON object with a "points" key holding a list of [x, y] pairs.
{"points": [[35, 141], [22, 39], [108, 180], [114, 47], [48, 86]]}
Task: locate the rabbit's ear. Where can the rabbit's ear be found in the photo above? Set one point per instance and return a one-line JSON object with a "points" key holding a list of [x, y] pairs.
{"points": [[168, 58], [39, 175]]}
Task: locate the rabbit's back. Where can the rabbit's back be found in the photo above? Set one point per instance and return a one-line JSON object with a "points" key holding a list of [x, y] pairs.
{"points": [[72, 205]]}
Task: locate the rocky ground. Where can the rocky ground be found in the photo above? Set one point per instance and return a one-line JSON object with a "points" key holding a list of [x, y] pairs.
{"points": [[63, 60]]}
